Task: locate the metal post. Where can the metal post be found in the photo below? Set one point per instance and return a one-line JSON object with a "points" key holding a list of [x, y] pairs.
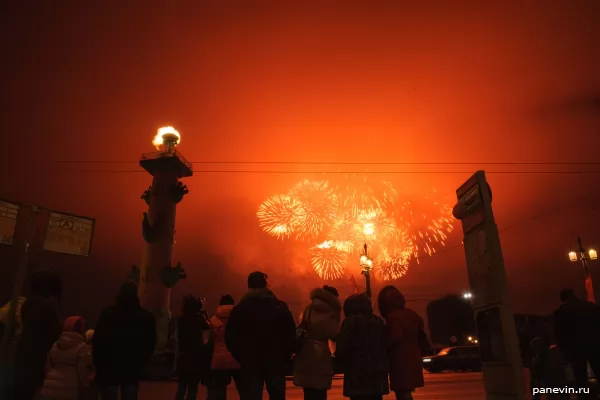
{"points": [[583, 258], [18, 286], [367, 273], [589, 286]]}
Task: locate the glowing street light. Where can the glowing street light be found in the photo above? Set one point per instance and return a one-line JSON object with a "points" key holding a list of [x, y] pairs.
{"points": [[467, 295], [573, 256], [582, 255]]}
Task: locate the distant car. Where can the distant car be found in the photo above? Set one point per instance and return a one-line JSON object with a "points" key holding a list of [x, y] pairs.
{"points": [[459, 358]]}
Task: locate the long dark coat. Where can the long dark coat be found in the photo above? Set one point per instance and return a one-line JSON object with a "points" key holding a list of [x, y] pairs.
{"points": [[194, 354], [41, 328], [261, 332], [577, 327], [403, 330], [313, 366], [361, 350], [123, 343]]}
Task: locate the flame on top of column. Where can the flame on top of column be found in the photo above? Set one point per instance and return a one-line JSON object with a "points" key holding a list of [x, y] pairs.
{"points": [[166, 134]]}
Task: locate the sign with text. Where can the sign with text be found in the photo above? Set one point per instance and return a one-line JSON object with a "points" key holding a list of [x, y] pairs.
{"points": [[69, 234], [8, 221]]}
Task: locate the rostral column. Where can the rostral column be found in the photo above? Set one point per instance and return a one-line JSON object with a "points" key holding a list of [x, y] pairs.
{"points": [[157, 275]]}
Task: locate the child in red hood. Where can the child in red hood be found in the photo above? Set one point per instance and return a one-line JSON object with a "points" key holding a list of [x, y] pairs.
{"points": [[223, 366], [69, 368]]}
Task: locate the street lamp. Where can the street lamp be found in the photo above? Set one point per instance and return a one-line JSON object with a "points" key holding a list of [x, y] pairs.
{"points": [[582, 255], [467, 295], [366, 265]]}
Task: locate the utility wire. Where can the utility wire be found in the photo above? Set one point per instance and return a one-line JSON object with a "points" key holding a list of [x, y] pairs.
{"points": [[258, 171], [309, 162], [527, 220]]}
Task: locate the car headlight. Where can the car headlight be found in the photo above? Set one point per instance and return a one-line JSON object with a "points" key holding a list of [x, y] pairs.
{"points": [[427, 360]]}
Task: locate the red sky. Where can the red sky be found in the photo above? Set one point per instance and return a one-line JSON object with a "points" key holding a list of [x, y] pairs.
{"points": [[342, 82]]}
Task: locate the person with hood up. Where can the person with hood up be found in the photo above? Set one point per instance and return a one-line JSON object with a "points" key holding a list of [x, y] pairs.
{"points": [[123, 343], [405, 335], [40, 330], [313, 365], [261, 335], [223, 366], [193, 350], [69, 368], [362, 351]]}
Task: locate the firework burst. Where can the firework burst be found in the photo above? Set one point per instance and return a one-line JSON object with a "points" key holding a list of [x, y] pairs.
{"points": [[425, 233], [373, 226], [392, 262], [328, 261], [343, 233], [278, 215], [357, 193], [318, 207], [396, 226]]}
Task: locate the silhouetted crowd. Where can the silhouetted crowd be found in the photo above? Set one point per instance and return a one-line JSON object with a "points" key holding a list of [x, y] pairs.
{"points": [[250, 343], [576, 345]]}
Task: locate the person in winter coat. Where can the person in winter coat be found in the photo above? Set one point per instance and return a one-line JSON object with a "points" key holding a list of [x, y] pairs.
{"points": [[41, 328], [223, 366], [547, 369], [404, 332], [261, 335], [123, 343], [362, 352], [193, 351], [69, 368], [313, 365], [577, 332]]}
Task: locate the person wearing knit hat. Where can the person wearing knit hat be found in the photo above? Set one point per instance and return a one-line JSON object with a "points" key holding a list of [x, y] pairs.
{"points": [[69, 366]]}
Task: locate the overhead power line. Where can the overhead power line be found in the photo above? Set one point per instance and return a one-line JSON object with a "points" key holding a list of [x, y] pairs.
{"points": [[266, 171], [521, 222], [483, 163]]}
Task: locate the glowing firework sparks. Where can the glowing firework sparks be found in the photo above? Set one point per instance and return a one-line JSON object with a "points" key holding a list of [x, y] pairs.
{"points": [[343, 233], [393, 264], [318, 207], [397, 227], [358, 193], [426, 233], [374, 226], [278, 215], [328, 261]]}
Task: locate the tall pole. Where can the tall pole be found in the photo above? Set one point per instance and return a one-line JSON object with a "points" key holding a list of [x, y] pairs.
{"points": [[589, 287], [17, 288], [367, 273]]}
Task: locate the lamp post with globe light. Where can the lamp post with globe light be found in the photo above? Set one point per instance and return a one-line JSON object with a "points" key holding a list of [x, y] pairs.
{"points": [[582, 255], [366, 264], [467, 296]]}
